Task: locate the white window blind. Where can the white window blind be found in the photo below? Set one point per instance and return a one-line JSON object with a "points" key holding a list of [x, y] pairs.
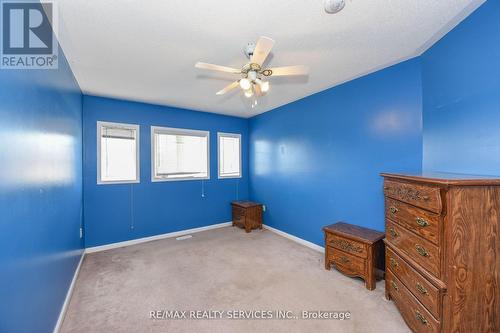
{"points": [[179, 154], [118, 153], [229, 155]]}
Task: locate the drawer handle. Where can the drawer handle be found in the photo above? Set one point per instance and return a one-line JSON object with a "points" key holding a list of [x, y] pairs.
{"points": [[394, 263], [421, 289], [421, 250], [393, 232], [394, 285], [425, 197], [393, 209], [420, 317], [345, 260], [422, 222]]}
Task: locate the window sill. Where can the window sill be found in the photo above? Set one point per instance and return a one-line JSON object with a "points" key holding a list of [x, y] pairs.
{"points": [[159, 180], [114, 182], [230, 177]]}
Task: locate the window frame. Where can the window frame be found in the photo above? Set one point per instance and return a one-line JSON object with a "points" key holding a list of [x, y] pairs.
{"points": [[136, 127], [229, 135], [177, 131]]}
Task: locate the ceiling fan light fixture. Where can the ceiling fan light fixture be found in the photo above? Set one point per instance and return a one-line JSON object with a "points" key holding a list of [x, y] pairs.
{"points": [[264, 86], [245, 84], [252, 75]]}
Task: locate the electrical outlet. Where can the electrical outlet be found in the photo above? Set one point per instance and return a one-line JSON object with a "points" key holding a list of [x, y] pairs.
{"points": [[81, 232], [263, 208]]}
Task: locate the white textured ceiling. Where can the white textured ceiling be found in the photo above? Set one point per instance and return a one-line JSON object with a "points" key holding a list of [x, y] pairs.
{"points": [[145, 50]]}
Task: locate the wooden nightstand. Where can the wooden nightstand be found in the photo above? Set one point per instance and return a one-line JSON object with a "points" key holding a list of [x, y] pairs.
{"points": [[354, 251], [247, 214]]}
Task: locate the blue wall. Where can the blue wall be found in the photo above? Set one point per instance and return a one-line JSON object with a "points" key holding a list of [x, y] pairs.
{"points": [[461, 94], [312, 162], [40, 194], [316, 161], [122, 212]]}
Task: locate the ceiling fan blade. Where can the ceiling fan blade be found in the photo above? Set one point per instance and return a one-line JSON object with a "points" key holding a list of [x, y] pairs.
{"points": [[228, 88], [212, 67], [289, 70], [262, 50]]}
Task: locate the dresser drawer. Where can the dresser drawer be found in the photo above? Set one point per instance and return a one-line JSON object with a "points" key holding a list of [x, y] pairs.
{"points": [[421, 251], [423, 196], [415, 314], [347, 245], [347, 263], [420, 221], [422, 289]]}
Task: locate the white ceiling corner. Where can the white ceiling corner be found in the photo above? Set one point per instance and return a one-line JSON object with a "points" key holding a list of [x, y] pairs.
{"points": [[145, 50]]}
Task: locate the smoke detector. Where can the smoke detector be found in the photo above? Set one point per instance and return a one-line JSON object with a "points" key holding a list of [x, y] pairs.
{"points": [[334, 6]]}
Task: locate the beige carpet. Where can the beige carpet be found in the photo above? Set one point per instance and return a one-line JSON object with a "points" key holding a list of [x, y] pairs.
{"points": [[227, 270]]}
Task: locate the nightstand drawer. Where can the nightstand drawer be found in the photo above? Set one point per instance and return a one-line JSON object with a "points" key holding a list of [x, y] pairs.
{"points": [[347, 245], [347, 263], [238, 215], [420, 221]]}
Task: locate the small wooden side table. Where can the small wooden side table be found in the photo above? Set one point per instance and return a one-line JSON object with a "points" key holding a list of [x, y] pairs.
{"points": [[247, 214], [355, 251]]}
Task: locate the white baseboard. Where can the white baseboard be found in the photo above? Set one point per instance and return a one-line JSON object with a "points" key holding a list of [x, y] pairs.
{"points": [[68, 295], [156, 237], [296, 239]]}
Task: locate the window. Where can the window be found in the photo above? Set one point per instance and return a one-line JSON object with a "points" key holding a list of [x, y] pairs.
{"points": [[179, 154], [117, 153], [229, 155]]}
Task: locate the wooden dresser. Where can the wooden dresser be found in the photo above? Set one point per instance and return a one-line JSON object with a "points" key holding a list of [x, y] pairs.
{"points": [[355, 251], [247, 214], [442, 258]]}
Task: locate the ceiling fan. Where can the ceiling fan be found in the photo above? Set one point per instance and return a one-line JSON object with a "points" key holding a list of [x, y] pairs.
{"points": [[253, 73]]}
